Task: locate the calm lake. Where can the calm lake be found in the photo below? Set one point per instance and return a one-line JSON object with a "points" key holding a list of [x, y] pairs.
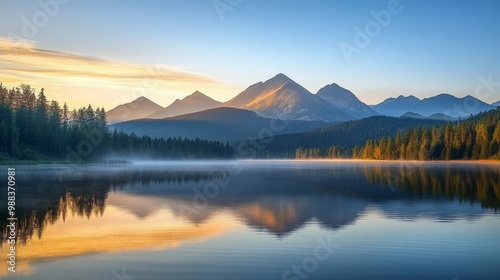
{"points": [[255, 220]]}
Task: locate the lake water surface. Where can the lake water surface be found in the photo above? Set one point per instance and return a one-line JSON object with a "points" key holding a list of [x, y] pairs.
{"points": [[256, 220]]}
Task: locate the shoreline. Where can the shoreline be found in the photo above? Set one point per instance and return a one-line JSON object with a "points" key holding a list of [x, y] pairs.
{"points": [[380, 161], [55, 162]]}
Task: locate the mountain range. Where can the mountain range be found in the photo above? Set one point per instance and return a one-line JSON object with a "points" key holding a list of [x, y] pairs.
{"points": [[279, 97], [440, 104], [282, 98]]}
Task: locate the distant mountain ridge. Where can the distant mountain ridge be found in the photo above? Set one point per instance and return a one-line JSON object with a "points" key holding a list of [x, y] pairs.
{"points": [[440, 104], [195, 102], [413, 115], [137, 109], [221, 124], [437, 116]]}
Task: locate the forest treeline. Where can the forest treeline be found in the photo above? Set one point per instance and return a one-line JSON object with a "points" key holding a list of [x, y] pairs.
{"points": [[33, 128], [328, 141], [475, 138]]}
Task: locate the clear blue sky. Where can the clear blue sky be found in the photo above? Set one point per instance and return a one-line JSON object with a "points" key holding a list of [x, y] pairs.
{"points": [[428, 48]]}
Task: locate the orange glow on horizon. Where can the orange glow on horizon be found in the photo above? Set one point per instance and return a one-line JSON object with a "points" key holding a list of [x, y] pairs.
{"points": [[80, 80]]}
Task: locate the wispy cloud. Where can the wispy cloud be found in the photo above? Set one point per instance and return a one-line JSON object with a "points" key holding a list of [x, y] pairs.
{"points": [[23, 62]]}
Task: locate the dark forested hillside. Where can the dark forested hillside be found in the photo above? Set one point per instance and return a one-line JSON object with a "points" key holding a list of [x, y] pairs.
{"points": [[472, 139], [477, 138], [31, 128], [346, 135], [220, 124]]}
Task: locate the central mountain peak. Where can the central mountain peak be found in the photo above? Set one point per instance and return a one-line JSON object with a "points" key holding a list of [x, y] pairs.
{"points": [[281, 77], [281, 97], [258, 91]]}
